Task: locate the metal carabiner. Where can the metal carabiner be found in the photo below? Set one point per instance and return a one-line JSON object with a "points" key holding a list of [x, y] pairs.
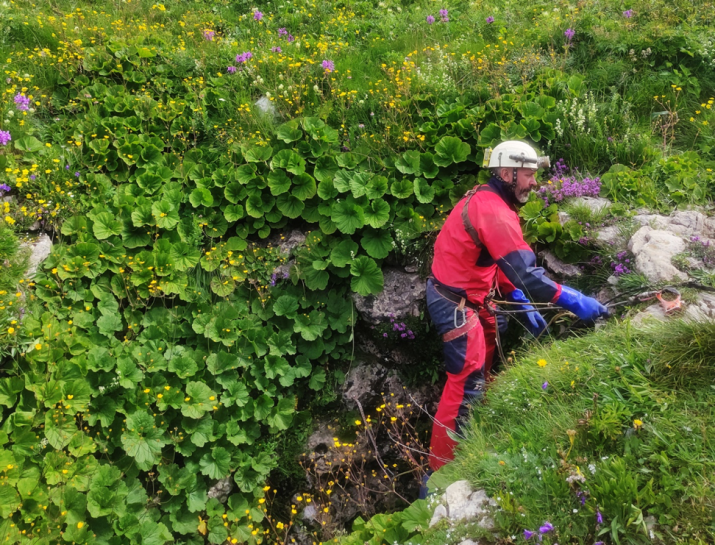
{"points": [[464, 316]]}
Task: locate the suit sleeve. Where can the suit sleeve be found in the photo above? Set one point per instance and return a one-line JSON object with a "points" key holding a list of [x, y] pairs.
{"points": [[499, 230]]}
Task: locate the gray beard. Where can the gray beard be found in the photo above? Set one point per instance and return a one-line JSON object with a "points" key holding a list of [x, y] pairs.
{"points": [[523, 198]]}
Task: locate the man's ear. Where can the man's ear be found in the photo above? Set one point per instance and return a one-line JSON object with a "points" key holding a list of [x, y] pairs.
{"points": [[505, 174]]}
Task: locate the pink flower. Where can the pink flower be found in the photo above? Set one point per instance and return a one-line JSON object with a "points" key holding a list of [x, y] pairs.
{"points": [[430, 19], [231, 69], [257, 15], [209, 35], [328, 65]]}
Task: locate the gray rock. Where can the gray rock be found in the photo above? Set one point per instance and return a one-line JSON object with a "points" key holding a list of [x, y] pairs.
{"points": [[221, 489], [40, 249], [653, 312], [310, 513], [687, 222], [364, 385], [654, 221], [556, 266], [400, 298], [287, 243], [440, 513], [608, 235], [653, 250], [266, 107], [563, 217], [595, 204], [469, 542]]}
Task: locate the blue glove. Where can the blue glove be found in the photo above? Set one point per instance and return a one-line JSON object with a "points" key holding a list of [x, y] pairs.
{"points": [[533, 321], [586, 308]]}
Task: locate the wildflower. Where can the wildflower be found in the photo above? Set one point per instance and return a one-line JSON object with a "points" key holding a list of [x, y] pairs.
{"points": [[358, 422], [443, 15], [243, 57], [490, 19], [76, 174], [276, 49], [328, 65], [80, 524], [209, 35], [628, 13], [528, 534], [541, 363], [22, 102], [4, 188], [430, 19], [290, 38], [384, 335], [11, 330], [599, 518], [282, 32], [545, 385], [637, 424], [5, 138], [257, 15], [569, 33], [546, 528]]}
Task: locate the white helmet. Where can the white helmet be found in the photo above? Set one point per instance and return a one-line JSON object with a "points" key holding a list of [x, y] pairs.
{"points": [[514, 154]]}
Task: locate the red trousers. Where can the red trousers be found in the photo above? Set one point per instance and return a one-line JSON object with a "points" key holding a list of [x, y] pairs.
{"points": [[468, 353]]}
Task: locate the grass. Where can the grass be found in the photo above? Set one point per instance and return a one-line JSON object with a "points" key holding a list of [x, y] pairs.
{"points": [[615, 422]]}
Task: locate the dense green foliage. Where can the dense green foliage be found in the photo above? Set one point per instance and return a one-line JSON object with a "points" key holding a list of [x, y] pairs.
{"points": [[167, 342]]}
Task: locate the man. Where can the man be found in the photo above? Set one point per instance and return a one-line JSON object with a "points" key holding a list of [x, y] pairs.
{"points": [[481, 249]]}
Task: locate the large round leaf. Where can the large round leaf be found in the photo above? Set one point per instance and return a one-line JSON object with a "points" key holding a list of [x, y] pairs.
{"points": [[377, 213], [377, 243], [303, 186], [367, 276], [106, 225], [184, 256], [279, 182], [401, 189], [289, 160], [290, 205], [165, 214], [423, 191], [348, 216], [449, 150], [201, 197]]}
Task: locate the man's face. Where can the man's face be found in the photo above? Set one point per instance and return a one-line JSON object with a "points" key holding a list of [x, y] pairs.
{"points": [[525, 182]]}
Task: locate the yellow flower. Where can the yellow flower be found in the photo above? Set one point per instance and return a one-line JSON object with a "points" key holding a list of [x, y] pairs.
{"points": [[358, 422], [80, 524], [38, 347], [637, 424], [11, 330], [541, 363]]}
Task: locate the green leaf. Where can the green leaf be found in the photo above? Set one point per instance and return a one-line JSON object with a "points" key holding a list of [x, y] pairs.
{"points": [[29, 144], [216, 464], [348, 160], [326, 190], [401, 189], [348, 216], [423, 191], [490, 136], [325, 169], [376, 188], [286, 305], [183, 366], [341, 180], [409, 162], [344, 253], [153, 533], [60, 428], [279, 182], [317, 379], [290, 205], [201, 197], [142, 440], [312, 326], [109, 324], [449, 150], [303, 186], [377, 243], [289, 132], [184, 256], [367, 276], [377, 213], [234, 192], [532, 126], [289, 160], [358, 183], [165, 214], [199, 395], [106, 225], [258, 154], [233, 212]]}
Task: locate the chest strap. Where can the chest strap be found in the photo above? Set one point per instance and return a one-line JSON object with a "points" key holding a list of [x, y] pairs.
{"points": [[466, 222]]}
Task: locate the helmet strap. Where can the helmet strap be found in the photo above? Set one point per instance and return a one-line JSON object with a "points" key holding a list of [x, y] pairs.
{"points": [[511, 186]]}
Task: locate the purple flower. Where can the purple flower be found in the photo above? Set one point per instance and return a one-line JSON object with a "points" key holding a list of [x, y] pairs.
{"points": [[290, 38], [4, 188], [209, 35], [384, 335], [628, 13], [276, 49], [546, 528], [257, 15], [599, 543], [599, 518], [328, 65], [490, 19], [273, 279], [5, 138], [67, 167], [545, 385], [243, 57], [76, 174], [430, 19], [22, 103], [569, 33], [231, 69], [282, 32], [444, 15], [33, 177], [528, 534]]}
